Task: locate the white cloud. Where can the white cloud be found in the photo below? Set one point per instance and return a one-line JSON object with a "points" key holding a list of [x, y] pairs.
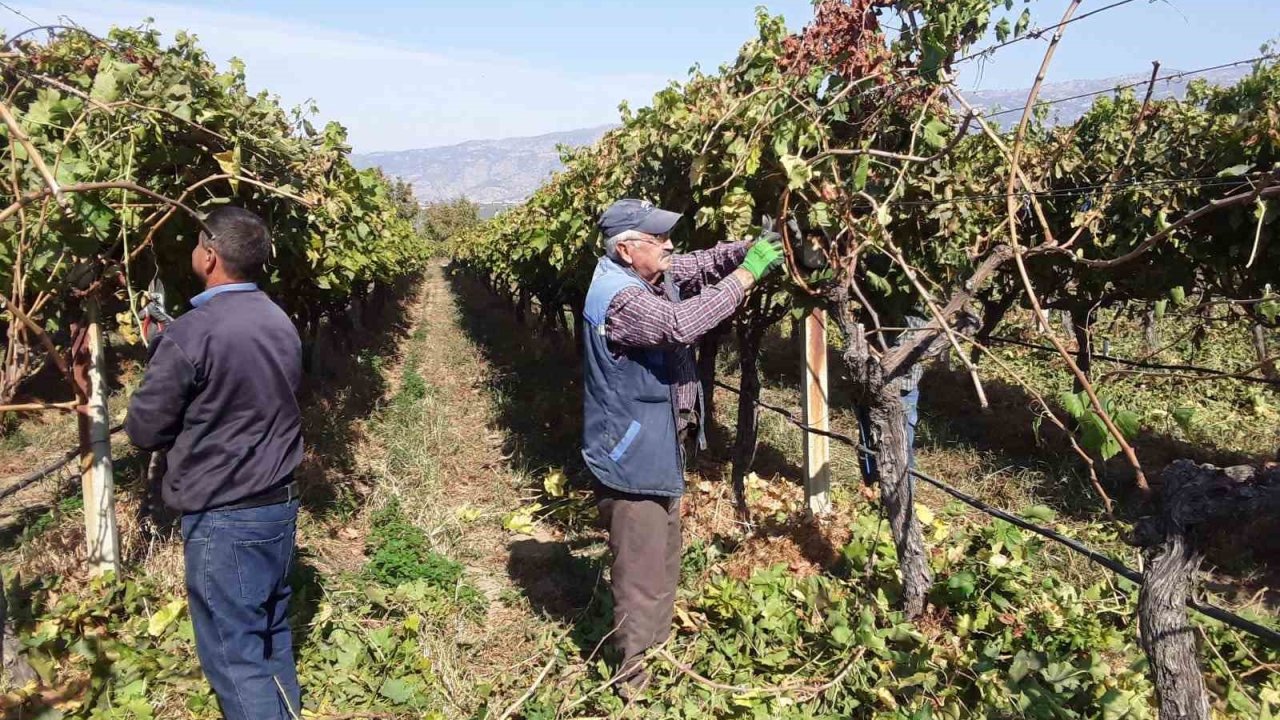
{"points": [[390, 97]]}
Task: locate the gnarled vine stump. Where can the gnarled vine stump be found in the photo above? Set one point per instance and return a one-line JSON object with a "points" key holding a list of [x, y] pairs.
{"points": [[1196, 499], [888, 439]]}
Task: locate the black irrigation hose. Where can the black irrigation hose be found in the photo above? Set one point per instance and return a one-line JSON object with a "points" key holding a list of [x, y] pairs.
{"points": [[41, 473], [1139, 364], [1224, 616], [1102, 559], [1213, 611]]}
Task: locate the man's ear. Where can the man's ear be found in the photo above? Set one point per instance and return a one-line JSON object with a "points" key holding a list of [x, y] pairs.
{"points": [[624, 253], [211, 260]]}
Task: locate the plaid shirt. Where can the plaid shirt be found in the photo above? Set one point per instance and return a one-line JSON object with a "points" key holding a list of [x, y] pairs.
{"points": [[645, 317]]}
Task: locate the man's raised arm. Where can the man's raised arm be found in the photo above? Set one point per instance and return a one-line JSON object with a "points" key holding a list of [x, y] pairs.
{"points": [[693, 271], [639, 318], [156, 407]]}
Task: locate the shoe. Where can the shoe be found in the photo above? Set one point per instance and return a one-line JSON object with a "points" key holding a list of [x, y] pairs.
{"points": [[631, 688]]}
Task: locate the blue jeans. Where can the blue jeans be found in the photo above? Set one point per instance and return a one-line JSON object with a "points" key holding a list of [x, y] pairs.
{"points": [[238, 591], [910, 401]]}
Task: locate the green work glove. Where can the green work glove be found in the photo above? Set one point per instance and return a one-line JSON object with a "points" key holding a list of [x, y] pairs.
{"points": [[765, 254]]}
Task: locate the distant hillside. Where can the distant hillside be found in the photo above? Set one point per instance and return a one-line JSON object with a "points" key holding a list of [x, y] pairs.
{"points": [[500, 173], [484, 171]]}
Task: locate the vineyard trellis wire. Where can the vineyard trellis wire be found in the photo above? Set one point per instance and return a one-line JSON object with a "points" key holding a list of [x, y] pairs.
{"points": [[1038, 33], [1206, 372], [1141, 83], [1215, 181]]}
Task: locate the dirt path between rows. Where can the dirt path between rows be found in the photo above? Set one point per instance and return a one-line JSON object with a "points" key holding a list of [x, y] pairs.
{"points": [[480, 481]]}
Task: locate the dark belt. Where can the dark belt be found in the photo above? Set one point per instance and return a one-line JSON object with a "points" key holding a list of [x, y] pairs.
{"points": [[275, 496]]}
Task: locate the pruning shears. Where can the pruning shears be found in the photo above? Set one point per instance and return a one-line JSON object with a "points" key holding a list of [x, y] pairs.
{"points": [[154, 316], [808, 255]]}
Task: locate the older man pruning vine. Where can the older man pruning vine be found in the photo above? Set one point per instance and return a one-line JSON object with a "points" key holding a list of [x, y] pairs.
{"points": [[643, 405]]}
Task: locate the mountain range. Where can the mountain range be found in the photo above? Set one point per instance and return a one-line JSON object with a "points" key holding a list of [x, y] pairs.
{"points": [[487, 172], [500, 173]]}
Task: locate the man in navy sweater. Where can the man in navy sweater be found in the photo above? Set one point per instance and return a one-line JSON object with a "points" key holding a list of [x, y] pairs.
{"points": [[219, 395]]}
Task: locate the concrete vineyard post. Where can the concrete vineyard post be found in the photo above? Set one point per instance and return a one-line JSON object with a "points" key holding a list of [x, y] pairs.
{"points": [[101, 533], [814, 397]]}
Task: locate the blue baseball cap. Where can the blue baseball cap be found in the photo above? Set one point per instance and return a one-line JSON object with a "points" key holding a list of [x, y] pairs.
{"points": [[639, 215]]}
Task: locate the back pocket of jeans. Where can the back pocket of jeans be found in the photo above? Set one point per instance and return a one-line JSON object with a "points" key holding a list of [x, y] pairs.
{"points": [[261, 565]]}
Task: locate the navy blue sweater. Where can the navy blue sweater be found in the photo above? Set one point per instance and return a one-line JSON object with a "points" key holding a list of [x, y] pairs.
{"points": [[220, 393]]}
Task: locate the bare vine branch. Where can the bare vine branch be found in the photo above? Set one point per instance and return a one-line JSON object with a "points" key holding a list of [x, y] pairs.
{"points": [[36, 195], [15, 129], [901, 157], [1098, 408], [47, 343], [1259, 192]]}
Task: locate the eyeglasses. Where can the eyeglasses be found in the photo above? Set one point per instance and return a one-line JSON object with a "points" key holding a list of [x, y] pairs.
{"points": [[658, 240]]}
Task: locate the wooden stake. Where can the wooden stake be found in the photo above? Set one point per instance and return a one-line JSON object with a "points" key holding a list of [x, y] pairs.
{"points": [[814, 398], [101, 534]]}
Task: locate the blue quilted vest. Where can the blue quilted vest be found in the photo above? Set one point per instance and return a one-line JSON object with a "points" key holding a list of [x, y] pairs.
{"points": [[629, 411]]}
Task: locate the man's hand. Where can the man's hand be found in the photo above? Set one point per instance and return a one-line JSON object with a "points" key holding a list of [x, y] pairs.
{"points": [[765, 254], [154, 316]]}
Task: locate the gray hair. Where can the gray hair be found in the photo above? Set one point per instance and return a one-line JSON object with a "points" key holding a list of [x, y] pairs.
{"points": [[611, 243]]}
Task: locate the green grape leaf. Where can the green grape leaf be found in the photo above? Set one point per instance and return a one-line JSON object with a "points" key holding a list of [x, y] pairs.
{"points": [[1269, 309], [229, 161], [1039, 513], [161, 619], [554, 483], [1185, 417], [860, 172], [112, 76], [799, 172], [1095, 436], [1128, 423], [1003, 29], [1024, 22], [935, 134], [1024, 663], [1074, 404], [397, 691], [963, 584]]}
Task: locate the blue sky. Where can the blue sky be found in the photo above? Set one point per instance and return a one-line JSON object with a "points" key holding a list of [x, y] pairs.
{"points": [[404, 74]]}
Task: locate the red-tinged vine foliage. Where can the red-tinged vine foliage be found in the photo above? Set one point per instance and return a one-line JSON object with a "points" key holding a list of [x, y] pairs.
{"points": [[844, 37]]}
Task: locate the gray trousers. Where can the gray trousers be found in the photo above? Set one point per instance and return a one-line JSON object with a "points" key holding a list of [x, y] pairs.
{"points": [[644, 536]]}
